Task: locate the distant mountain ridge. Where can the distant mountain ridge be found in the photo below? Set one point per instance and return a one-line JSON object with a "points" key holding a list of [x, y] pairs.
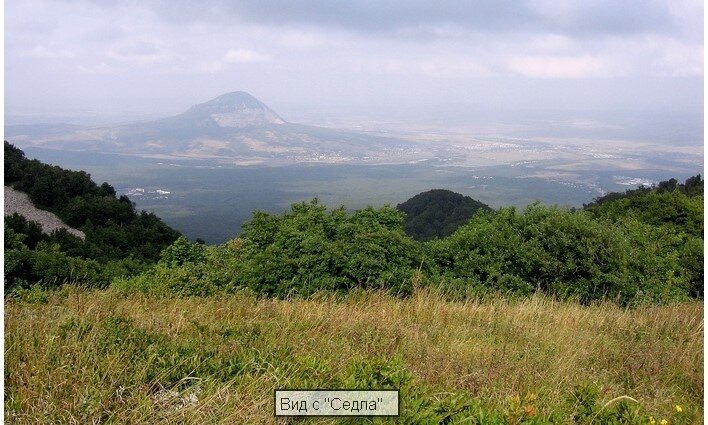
{"points": [[234, 128]]}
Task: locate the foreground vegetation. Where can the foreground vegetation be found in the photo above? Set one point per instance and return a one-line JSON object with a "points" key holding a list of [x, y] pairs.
{"points": [[644, 248], [504, 317], [89, 357]]}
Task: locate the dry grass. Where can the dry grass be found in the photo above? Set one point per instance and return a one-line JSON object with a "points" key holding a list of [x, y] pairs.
{"points": [[84, 357]]}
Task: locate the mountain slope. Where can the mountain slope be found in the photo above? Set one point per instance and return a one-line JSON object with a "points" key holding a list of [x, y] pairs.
{"points": [[114, 229]]}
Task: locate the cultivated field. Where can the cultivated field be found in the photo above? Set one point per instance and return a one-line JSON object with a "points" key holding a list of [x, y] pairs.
{"points": [[73, 356]]}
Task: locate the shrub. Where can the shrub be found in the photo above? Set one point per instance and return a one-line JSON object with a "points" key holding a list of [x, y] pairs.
{"points": [[567, 254], [49, 267], [185, 270], [181, 252], [309, 249]]}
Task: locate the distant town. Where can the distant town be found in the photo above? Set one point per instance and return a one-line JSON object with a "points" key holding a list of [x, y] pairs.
{"points": [[139, 192]]}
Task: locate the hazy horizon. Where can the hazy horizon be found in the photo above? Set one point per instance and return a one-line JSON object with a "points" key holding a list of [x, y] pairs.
{"points": [[116, 61]]}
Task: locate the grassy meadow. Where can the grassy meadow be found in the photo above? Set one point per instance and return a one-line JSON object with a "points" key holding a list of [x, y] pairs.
{"points": [[78, 356]]}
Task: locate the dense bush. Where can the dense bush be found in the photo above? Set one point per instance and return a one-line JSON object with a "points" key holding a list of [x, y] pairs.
{"points": [[309, 249], [186, 269], [29, 232], [674, 209], [644, 244], [49, 267], [544, 248], [556, 251], [182, 252], [566, 253], [666, 231]]}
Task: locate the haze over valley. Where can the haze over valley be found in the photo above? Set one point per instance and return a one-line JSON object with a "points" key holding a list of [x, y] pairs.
{"points": [[205, 170], [205, 113]]}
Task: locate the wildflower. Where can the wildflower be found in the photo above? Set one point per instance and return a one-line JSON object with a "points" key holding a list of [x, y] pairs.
{"points": [[679, 409], [663, 422], [530, 410], [652, 421], [515, 401]]}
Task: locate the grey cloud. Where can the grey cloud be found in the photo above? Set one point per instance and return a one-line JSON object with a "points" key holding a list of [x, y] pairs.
{"points": [[621, 17], [106, 34], [607, 17], [162, 54], [139, 49]]}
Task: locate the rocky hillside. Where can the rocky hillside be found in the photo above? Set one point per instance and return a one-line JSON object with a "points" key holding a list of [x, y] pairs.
{"points": [[20, 203]]}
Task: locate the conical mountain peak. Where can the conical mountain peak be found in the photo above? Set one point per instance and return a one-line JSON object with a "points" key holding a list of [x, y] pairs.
{"points": [[235, 109]]}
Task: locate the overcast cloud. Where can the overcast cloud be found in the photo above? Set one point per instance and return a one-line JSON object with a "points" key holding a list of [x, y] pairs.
{"points": [[352, 57]]}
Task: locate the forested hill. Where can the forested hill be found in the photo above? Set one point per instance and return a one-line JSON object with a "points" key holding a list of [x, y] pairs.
{"points": [[438, 213], [115, 231]]}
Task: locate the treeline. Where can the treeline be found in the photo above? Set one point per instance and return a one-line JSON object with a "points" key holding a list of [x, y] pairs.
{"points": [[119, 240], [645, 246], [642, 245], [693, 186]]}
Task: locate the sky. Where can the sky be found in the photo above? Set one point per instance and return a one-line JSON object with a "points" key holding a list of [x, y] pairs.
{"points": [[118, 59]]}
